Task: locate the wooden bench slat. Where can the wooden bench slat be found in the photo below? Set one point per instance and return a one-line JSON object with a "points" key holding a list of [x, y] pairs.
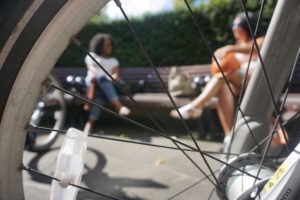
{"points": [[154, 95], [161, 100]]}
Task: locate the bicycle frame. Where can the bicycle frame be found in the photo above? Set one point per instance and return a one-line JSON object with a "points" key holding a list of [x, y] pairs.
{"points": [[279, 50], [284, 184], [278, 54]]}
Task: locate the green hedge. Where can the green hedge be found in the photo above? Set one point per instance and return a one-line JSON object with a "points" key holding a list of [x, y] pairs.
{"points": [[169, 38]]}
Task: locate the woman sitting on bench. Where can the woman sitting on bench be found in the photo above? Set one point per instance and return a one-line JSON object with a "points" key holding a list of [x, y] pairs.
{"points": [[233, 60]]}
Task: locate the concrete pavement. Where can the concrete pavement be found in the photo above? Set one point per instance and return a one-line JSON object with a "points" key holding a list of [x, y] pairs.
{"points": [[128, 171]]}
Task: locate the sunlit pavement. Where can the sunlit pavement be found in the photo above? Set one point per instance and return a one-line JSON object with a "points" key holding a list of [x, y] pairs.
{"points": [[128, 171]]}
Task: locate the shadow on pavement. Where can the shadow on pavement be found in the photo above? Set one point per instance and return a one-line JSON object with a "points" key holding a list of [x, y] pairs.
{"points": [[95, 179]]}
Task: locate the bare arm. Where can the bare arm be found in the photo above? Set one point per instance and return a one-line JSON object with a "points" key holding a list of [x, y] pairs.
{"points": [[238, 48], [91, 65], [116, 73]]}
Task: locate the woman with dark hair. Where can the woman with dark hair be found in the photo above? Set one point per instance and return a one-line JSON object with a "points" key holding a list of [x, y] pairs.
{"points": [[101, 49], [233, 60]]}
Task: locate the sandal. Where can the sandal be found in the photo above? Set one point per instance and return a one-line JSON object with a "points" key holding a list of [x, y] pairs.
{"points": [[187, 112], [124, 111]]}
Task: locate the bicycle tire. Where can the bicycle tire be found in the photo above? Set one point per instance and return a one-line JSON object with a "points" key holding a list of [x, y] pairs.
{"points": [[22, 54], [58, 116], [27, 56]]}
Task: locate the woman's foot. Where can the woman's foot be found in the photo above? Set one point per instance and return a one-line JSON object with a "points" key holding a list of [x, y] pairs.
{"points": [[187, 112], [124, 111], [226, 143], [86, 107]]}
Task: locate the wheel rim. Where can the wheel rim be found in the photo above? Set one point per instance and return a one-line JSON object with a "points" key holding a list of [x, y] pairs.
{"points": [[37, 79], [44, 54]]}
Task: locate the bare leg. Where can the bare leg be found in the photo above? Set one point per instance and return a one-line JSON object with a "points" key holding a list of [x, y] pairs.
{"points": [[90, 94], [194, 109], [88, 126], [226, 105], [226, 109], [211, 89]]}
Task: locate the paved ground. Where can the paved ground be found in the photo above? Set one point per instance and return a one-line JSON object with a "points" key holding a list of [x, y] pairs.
{"points": [[128, 171]]}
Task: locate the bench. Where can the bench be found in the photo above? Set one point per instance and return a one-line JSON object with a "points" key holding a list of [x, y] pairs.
{"points": [[156, 102], [153, 94]]}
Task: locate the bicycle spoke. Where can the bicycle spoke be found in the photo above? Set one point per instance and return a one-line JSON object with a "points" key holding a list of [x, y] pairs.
{"points": [[77, 186], [118, 3], [121, 117], [246, 77], [211, 193], [95, 135], [190, 187], [146, 144], [278, 117], [261, 143], [259, 57], [206, 153], [27, 52], [150, 61], [268, 136], [116, 83], [78, 43], [155, 145], [202, 153], [192, 149], [291, 118], [176, 142], [262, 65], [205, 41]]}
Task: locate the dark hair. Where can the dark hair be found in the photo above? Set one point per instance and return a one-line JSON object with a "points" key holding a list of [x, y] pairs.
{"points": [[252, 21], [97, 42]]}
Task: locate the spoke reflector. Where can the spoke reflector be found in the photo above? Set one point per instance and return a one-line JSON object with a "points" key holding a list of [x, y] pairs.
{"points": [[69, 165]]}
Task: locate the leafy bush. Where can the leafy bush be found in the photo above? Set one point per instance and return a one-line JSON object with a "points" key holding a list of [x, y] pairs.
{"points": [[170, 38]]}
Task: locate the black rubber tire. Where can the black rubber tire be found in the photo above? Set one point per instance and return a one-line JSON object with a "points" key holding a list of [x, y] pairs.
{"points": [[34, 34], [12, 12]]}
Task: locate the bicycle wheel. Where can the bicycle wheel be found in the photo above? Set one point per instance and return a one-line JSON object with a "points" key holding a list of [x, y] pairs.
{"points": [[28, 54], [33, 36], [49, 112]]}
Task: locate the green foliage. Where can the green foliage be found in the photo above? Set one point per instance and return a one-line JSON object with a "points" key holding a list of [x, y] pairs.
{"points": [[180, 4], [170, 38]]}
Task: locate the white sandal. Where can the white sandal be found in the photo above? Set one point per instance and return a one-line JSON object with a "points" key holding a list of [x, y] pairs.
{"points": [[124, 111], [188, 112]]}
